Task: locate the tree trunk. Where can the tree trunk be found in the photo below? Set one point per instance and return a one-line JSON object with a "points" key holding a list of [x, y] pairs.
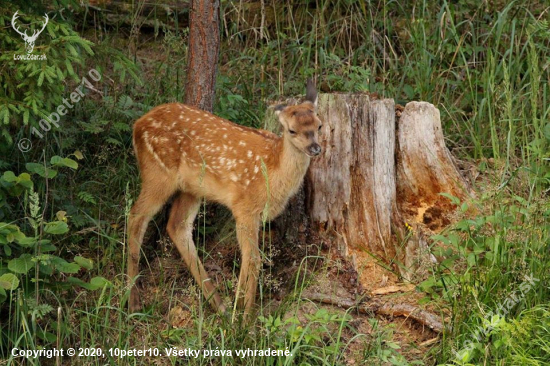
{"points": [[202, 64], [203, 53]]}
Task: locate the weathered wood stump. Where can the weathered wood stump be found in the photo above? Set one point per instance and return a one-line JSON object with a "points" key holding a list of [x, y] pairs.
{"points": [[376, 174], [425, 168], [351, 187]]}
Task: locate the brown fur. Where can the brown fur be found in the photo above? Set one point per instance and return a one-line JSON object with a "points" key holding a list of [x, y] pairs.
{"points": [[191, 153]]}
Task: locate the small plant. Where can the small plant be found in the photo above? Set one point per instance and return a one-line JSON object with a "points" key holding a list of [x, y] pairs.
{"points": [[381, 349], [319, 338], [30, 261]]}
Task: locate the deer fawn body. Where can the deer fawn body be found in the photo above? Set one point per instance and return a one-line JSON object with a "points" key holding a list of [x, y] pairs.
{"points": [[192, 154]]}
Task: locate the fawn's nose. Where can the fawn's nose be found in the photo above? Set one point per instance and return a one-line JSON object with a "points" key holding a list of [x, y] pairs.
{"points": [[314, 149]]}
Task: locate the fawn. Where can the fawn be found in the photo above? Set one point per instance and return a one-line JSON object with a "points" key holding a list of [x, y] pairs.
{"points": [[191, 154]]}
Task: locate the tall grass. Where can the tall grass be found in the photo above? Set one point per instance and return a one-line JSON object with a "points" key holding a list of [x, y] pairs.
{"points": [[485, 66]]}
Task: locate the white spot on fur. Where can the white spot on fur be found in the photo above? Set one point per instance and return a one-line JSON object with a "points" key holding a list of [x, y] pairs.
{"points": [[151, 150]]}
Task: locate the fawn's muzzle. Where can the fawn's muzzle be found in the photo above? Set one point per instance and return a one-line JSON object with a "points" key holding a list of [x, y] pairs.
{"points": [[314, 149]]}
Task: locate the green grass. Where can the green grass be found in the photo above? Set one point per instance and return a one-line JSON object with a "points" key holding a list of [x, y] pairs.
{"points": [[484, 65]]}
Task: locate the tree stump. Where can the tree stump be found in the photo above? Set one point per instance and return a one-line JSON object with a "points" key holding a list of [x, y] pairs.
{"points": [[425, 168], [351, 186], [375, 175]]}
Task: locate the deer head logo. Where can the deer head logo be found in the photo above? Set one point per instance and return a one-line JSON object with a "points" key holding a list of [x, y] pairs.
{"points": [[29, 40]]}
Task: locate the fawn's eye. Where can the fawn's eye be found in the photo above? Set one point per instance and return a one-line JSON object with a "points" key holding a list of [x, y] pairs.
{"points": [[292, 132], [320, 128]]}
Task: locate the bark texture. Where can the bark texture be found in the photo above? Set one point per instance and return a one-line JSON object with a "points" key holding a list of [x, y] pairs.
{"points": [[351, 186], [203, 53], [425, 167]]}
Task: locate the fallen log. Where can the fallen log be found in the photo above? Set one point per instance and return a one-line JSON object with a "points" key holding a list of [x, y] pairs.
{"points": [[376, 306]]}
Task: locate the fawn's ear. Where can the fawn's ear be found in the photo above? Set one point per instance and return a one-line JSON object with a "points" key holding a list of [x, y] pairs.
{"points": [[278, 109], [311, 92]]}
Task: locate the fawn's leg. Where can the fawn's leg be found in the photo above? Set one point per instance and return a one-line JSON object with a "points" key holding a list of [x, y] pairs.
{"points": [[180, 228], [150, 201], [247, 235]]}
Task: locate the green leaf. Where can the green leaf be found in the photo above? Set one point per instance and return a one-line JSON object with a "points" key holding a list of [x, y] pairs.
{"points": [[84, 262], [41, 170], [546, 131], [78, 155], [59, 161], [46, 336], [40, 79], [453, 199], [44, 248], [66, 267], [26, 117], [25, 180], [9, 177], [9, 281], [424, 300], [46, 269], [27, 241], [100, 282], [22, 265], [95, 283], [56, 227]]}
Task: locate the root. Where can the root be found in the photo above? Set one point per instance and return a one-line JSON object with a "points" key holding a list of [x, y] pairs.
{"points": [[423, 317]]}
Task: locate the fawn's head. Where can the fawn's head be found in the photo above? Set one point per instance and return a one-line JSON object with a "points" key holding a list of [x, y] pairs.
{"points": [[301, 124]]}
